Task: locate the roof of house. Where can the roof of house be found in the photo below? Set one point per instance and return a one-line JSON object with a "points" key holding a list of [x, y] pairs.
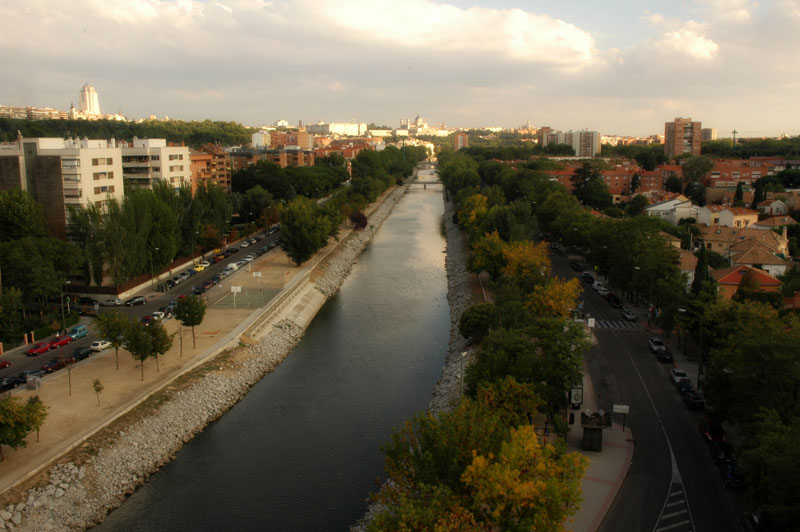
{"points": [[733, 276], [768, 202], [756, 255], [670, 238], [732, 235], [776, 221], [742, 211], [688, 262]]}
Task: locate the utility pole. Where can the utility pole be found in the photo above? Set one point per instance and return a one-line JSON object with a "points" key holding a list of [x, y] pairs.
{"points": [[734, 132]]}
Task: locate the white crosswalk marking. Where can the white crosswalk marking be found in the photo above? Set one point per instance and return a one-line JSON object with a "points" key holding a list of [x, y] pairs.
{"points": [[676, 511], [617, 324]]}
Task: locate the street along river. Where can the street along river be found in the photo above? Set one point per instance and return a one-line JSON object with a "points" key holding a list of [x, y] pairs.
{"points": [[302, 450]]}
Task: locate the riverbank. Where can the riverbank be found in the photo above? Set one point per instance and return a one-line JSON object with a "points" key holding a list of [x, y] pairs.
{"points": [[96, 477]]}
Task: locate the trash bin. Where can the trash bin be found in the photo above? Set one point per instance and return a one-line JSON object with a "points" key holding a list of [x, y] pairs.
{"points": [[33, 383]]}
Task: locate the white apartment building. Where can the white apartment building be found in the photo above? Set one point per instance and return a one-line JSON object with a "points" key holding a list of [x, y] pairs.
{"points": [[88, 100], [62, 172], [147, 160], [338, 128], [260, 139]]}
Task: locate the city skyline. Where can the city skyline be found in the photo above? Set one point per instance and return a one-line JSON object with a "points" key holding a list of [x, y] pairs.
{"points": [[624, 69]]}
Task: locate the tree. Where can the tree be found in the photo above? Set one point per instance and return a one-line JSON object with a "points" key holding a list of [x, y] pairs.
{"points": [[477, 320], [138, 342], [17, 420], [359, 219], [526, 263], [487, 255], [673, 183], [738, 196], [112, 326], [696, 167], [635, 180], [701, 273], [637, 205], [554, 298], [20, 216], [304, 229], [526, 486], [97, 386], [190, 311], [160, 341]]}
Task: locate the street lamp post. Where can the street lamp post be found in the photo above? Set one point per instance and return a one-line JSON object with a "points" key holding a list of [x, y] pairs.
{"points": [[63, 316]]}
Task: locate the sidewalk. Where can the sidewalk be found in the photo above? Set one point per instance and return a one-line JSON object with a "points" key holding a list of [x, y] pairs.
{"points": [[607, 468]]}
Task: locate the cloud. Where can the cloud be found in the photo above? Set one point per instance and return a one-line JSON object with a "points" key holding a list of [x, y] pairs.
{"points": [[735, 10], [684, 38], [424, 24]]}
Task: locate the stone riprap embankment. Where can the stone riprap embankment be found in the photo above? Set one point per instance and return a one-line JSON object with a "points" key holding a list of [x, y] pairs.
{"points": [[75, 497]]}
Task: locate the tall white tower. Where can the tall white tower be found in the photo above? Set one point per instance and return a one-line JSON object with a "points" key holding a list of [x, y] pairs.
{"points": [[89, 103]]}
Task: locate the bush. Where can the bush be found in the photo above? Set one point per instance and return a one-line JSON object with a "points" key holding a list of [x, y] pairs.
{"points": [[478, 320]]}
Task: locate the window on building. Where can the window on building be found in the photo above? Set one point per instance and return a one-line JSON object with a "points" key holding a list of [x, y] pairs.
{"points": [[95, 162], [110, 160], [155, 157]]}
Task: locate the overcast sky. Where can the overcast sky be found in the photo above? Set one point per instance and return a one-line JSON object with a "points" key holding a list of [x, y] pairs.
{"points": [[620, 67]]}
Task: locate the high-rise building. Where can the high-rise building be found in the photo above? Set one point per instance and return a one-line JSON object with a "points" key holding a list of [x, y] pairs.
{"points": [[682, 136], [460, 140], [585, 143], [146, 160], [62, 172], [709, 133], [89, 102]]}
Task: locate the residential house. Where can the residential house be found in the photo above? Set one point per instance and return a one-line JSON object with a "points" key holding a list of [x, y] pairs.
{"points": [[773, 207], [738, 217], [721, 238], [729, 279], [687, 265], [673, 210], [755, 253], [709, 214], [774, 222]]}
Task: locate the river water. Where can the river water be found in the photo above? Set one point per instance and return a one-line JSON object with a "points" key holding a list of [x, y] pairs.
{"points": [[302, 451]]}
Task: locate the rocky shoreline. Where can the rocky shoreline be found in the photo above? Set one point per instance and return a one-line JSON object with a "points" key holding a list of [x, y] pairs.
{"points": [[78, 494]]}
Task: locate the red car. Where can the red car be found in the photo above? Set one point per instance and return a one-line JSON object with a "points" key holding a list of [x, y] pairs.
{"points": [[38, 349], [60, 341], [4, 364]]}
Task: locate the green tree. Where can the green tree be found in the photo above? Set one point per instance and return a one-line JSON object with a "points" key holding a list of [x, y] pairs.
{"points": [[696, 167], [112, 325], [477, 320], [701, 273], [138, 342], [20, 216], [97, 386], [160, 341], [190, 311], [18, 419], [304, 229], [673, 183], [637, 205], [738, 196]]}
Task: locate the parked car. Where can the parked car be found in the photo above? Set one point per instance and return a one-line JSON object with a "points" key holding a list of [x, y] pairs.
{"points": [[100, 345], [38, 349], [112, 302], [8, 383], [244, 244], [602, 291], [731, 475], [587, 277], [614, 301], [721, 452], [146, 320], [694, 400], [60, 341], [577, 266], [676, 375], [79, 331], [656, 344], [166, 313], [199, 267], [711, 429], [138, 300], [554, 246], [158, 315], [4, 364], [198, 290], [22, 376], [172, 304], [628, 314], [685, 386], [597, 285], [80, 353], [664, 356], [56, 363]]}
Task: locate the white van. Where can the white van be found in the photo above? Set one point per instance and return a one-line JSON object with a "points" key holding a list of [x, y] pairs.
{"points": [[597, 285]]}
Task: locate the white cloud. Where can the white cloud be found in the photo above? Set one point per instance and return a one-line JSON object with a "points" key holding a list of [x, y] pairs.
{"points": [[736, 10], [684, 38], [421, 24]]}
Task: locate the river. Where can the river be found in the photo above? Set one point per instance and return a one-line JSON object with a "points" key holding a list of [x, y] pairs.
{"points": [[302, 450]]}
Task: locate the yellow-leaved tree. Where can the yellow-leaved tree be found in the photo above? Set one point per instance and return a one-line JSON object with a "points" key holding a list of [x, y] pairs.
{"points": [[527, 486], [527, 264], [554, 298]]}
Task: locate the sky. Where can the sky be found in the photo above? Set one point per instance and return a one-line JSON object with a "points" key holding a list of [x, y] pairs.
{"points": [[620, 67]]}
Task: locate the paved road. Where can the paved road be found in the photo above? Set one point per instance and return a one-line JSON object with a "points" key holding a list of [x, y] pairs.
{"points": [[20, 362], [672, 485]]}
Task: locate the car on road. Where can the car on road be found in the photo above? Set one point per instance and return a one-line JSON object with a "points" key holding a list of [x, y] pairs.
{"points": [[38, 349], [656, 344], [60, 341], [199, 267], [112, 302], [158, 315], [554, 246], [100, 345], [614, 301], [577, 266], [138, 300], [732, 475], [694, 400], [8, 383], [22, 376], [721, 452], [597, 285], [172, 304], [146, 320], [602, 291], [685, 386], [244, 244], [628, 314], [80, 353], [4, 364], [676, 375], [664, 356], [56, 363], [587, 277], [79, 331], [205, 264], [711, 429]]}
